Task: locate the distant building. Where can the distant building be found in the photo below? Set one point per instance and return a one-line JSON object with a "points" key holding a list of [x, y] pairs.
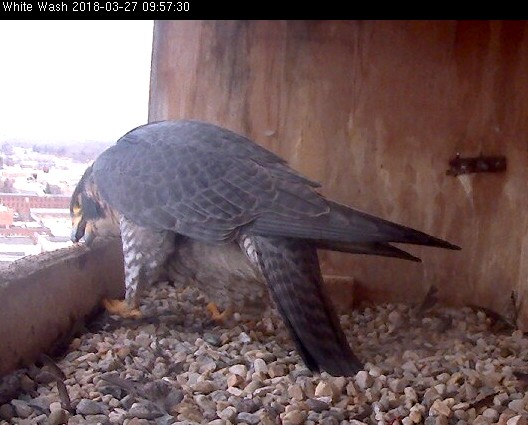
{"points": [[25, 229], [50, 229], [50, 243], [17, 242], [35, 188], [57, 220], [15, 247], [22, 203], [6, 217]]}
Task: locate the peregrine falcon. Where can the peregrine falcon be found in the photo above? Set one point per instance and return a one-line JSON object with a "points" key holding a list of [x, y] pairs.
{"points": [[234, 219]]}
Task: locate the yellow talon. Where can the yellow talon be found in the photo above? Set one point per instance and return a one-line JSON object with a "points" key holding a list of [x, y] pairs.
{"points": [[122, 308], [216, 315]]}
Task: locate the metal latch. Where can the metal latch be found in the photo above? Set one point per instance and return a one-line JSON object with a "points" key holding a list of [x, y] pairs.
{"points": [[479, 164]]}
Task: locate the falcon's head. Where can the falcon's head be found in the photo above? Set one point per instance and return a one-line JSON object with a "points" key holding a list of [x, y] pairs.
{"points": [[87, 210]]}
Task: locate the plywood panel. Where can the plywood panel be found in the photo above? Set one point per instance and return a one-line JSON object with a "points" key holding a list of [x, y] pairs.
{"points": [[375, 110]]}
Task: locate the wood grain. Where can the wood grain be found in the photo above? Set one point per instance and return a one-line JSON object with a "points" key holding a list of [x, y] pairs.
{"points": [[375, 110]]}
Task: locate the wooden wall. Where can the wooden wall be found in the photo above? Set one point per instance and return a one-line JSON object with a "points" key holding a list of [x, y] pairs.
{"points": [[375, 110]]}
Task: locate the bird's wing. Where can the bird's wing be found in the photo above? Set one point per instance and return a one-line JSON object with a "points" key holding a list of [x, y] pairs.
{"points": [[200, 180], [207, 183]]}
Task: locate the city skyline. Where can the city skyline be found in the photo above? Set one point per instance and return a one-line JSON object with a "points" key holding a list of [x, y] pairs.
{"points": [[35, 190]]}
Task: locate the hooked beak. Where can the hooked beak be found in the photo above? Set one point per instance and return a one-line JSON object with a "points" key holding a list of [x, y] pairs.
{"points": [[78, 228], [81, 228], [89, 234]]}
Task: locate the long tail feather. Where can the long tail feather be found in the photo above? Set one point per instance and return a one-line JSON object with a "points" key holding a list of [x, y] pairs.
{"points": [[291, 269]]}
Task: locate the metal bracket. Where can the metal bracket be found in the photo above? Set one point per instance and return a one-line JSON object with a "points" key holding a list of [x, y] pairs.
{"points": [[479, 164]]}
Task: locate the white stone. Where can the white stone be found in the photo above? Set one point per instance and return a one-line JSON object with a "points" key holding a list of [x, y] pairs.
{"points": [[516, 420]]}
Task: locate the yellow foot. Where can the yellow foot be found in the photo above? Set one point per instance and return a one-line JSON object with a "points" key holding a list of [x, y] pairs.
{"points": [[122, 308], [216, 315]]}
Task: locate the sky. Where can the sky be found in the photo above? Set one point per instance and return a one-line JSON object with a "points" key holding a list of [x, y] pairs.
{"points": [[68, 81]]}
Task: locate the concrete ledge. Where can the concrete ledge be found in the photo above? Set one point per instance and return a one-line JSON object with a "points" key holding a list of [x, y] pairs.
{"points": [[43, 296]]}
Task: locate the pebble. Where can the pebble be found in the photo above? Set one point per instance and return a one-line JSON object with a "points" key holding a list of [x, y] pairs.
{"points": [[182, 369], [214, 422], [253, 386], [440, 408], [440, 389], [58, 417], [56, 405], [44, 377], [96, 420], [295, 417], [410, 394], [461, 414], [237, 392], [239, 369], [7, 412], [324, 389], [145, 410], [375, 371], [398, 385], [117, 417], [363, 380], [295, 391], [518, 406], [228, 414], [395, 318], [415, 416], [491, 414], [235, 381], [204, 387], [317, 405], [430, 396], [206, 405], [517, 420], [250, 418], [262, 391], [90, 407], [276, 370], [27, 384], [244, 338], [260, 366], [212, 339], [22, 409], [248, 405]]}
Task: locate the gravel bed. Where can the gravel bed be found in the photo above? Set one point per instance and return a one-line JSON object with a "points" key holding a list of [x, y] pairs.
{"points": [[176, 366]]}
